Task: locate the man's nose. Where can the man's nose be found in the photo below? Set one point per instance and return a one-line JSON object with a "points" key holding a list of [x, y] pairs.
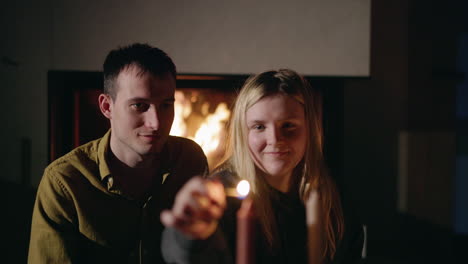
{"points": [[151, 118]]}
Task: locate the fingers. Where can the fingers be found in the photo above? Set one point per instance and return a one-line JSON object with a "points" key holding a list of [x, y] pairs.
{"points": [[197, 208], [216, 192], [314, 227], [167, 218], [313, 208], [200, 198]]}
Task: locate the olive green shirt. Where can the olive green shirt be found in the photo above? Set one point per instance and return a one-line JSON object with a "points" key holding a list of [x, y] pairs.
{"points": [[81, 215]]}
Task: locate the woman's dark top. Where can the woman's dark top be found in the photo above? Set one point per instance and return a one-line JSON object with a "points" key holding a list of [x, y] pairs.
{"points": [[290, 219]]}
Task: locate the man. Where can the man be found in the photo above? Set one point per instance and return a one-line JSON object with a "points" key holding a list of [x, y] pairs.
{"points": [[101, 202]]}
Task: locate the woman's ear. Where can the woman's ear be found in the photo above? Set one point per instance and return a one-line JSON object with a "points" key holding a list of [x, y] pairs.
{"points": [[105, 104]]}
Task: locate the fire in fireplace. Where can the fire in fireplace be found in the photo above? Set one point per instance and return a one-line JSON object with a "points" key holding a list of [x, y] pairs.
{"points": [[201, 115]]}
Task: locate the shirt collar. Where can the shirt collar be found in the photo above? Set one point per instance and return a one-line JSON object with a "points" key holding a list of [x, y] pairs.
{"points": [[103, 148], [104, 171]]}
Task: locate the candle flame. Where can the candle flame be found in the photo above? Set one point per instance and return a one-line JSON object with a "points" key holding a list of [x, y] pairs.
{"points": [[243, 188]]}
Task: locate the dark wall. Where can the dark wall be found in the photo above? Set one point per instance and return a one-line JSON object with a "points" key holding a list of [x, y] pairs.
{"points": [[400, 132], [375, 111]]}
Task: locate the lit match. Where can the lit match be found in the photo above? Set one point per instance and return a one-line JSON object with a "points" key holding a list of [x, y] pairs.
{"points": [[241, 191]]}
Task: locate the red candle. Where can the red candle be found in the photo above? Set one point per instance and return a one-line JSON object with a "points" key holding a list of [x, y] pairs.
{"points": [[246, 222]]}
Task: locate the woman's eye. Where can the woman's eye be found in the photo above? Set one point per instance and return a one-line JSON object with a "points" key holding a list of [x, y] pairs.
{"points": [[258, 127], [289, 125]]}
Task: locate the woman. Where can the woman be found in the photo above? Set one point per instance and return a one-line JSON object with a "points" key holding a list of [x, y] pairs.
{"points": [[275, 143]]}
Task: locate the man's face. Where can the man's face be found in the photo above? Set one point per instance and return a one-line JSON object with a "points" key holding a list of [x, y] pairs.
{"points": [[141, 115]]}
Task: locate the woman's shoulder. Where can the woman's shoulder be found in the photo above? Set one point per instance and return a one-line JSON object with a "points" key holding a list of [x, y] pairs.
{"points": [[226, 175]]}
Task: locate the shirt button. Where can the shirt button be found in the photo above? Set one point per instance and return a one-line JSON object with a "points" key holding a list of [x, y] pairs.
{"points": [[110, 183]]}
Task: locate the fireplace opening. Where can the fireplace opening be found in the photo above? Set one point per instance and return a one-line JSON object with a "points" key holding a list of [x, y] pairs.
{"points": [[202, 115]]}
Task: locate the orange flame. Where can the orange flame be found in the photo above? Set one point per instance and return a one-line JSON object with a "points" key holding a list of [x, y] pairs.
{"points": [[210, 131]]}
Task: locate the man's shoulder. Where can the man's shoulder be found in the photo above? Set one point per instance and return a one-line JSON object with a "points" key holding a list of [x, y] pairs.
{"points": [[83, 159], [176, 141], [182, 145], [186, 155]]}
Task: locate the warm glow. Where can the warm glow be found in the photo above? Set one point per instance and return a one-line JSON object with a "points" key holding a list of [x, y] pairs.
{"points": [[180, 112], [208, 134], [243, 188], [206, 128]]}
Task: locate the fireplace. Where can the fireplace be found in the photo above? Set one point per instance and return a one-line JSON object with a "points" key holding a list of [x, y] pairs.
{"points": [[202, 108]]}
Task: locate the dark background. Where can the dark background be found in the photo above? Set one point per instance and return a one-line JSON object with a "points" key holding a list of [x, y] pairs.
{"points": [[417, 87]]}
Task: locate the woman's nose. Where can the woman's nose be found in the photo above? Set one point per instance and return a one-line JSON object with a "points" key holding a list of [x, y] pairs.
{"points": [[274, 136]]}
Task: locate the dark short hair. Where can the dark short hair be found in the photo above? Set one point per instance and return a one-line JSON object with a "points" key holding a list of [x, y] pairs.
{"points": [[145, 57]]}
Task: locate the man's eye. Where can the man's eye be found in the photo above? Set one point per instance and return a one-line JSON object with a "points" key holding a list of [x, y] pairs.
{"points": [[139, 107], [167, 105]]}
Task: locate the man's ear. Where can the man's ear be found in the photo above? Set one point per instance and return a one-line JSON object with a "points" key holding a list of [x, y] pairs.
{"points": [[105, 104]]}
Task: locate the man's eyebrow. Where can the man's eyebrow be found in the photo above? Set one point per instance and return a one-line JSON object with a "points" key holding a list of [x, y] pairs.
{"points": [[169, 99], [137, 99]]}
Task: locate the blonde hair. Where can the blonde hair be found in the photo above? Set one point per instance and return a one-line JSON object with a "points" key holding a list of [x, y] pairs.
{"points": [[309, 173]]}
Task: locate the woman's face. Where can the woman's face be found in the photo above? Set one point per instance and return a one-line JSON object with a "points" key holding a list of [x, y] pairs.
{"points": [[277, 137]]}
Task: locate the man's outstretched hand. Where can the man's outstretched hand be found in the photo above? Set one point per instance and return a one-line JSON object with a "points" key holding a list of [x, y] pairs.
{"points": [[197, 208]]}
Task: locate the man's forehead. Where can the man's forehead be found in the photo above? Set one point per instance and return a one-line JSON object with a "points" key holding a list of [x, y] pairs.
{"points": [[136, 74], [137, 71], [132, 84]]}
